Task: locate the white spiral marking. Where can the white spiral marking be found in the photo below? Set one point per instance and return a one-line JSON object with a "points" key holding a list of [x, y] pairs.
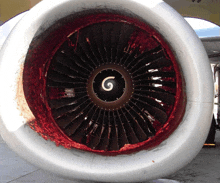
{"points": [[109, 84]]}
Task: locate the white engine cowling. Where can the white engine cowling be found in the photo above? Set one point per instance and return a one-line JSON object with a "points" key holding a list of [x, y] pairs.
{"points": [[59, 112]]}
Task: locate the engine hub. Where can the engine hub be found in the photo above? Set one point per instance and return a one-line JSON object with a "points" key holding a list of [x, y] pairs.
{"points": [[110, 86]]}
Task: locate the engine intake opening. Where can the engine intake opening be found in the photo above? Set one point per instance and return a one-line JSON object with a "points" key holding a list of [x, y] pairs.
{"points": [[107, 83]]}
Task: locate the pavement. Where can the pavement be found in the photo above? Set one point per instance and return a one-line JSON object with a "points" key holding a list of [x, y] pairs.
{"points": [[205, 168]]}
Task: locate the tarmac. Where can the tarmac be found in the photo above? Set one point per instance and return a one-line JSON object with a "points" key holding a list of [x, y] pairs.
{"points": [[205, 168]]}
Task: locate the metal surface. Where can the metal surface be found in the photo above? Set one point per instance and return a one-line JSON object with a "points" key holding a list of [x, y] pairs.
{"points": [[12, 8], [212, 46], [175, 152], [204, 168], [144, 106], [204, 9]]}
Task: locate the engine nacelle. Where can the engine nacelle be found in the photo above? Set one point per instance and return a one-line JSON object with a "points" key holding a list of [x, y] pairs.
{"points": [[110, 91]]}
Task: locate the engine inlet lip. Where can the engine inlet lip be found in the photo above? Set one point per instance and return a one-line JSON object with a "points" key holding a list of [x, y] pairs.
{"points": [[128, 90]]}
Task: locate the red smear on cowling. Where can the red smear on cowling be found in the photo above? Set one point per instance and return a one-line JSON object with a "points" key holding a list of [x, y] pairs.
{"points": [[42, 50]]}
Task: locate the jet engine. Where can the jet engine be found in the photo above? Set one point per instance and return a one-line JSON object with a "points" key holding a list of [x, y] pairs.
{"points": [[105, 91]]}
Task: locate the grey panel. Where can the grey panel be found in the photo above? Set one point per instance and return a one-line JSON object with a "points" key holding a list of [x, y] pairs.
{"points": [[212, 46]]}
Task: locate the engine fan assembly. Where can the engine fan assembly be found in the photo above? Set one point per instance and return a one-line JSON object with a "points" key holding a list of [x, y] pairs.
{"points": [[112, 86], [105, 91]]}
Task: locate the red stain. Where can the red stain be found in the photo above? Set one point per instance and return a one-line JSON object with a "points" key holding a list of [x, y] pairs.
{"points": [[70, 43], [56, 93], [38, 59], [139, 39]]}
